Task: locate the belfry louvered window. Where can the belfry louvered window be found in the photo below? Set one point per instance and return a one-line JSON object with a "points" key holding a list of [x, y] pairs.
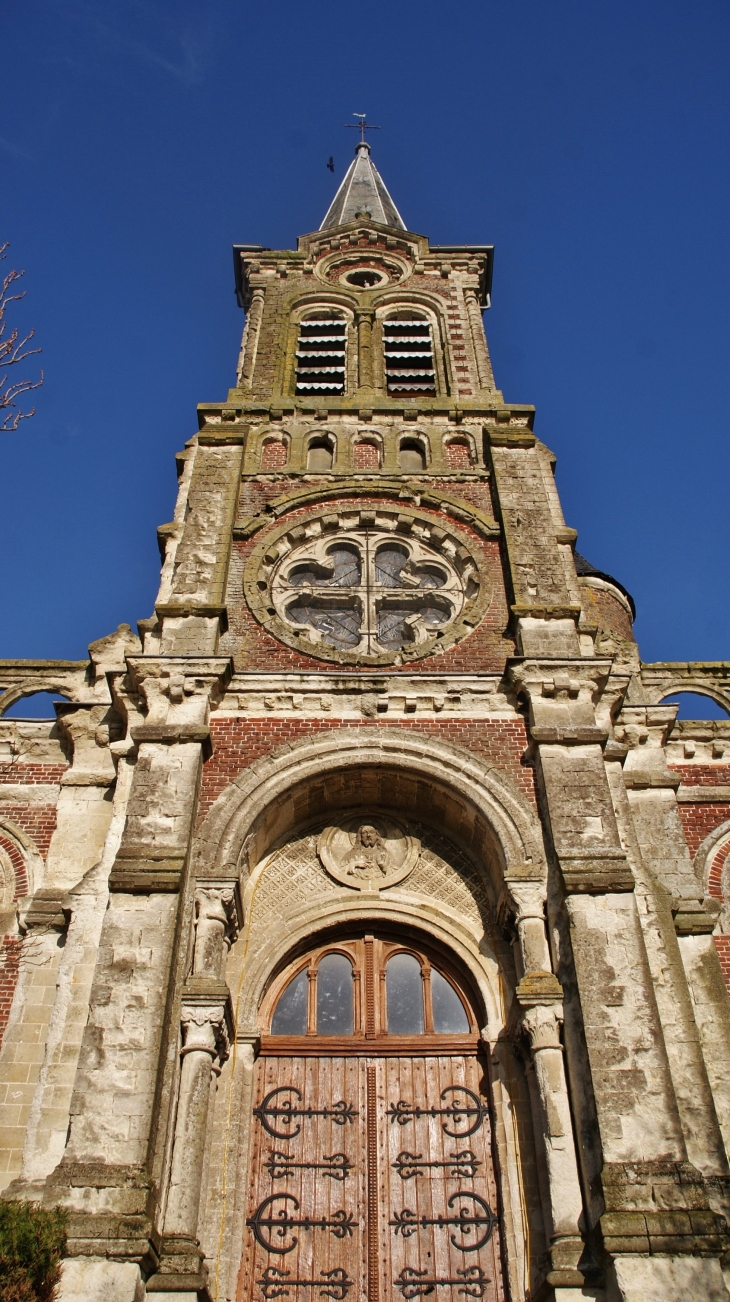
{"points": [[408, 350], [321, 354]]}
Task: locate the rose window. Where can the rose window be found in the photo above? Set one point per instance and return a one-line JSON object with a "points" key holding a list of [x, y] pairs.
{"points": [[367, 592]]}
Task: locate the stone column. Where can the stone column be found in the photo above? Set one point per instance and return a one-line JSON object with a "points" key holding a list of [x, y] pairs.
{"points": [[121, 1094], [539, 1025], [364, 350], [478, 339], [640, 1162], [521, 913], [205, 1048], [249, 343], [207, 1030]]}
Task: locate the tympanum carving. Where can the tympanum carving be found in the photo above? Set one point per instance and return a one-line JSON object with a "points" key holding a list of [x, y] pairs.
{"points": [[368, 854]]}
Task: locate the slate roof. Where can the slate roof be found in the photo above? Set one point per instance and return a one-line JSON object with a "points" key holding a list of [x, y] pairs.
{"points": [[583, 568], [363, 190]]}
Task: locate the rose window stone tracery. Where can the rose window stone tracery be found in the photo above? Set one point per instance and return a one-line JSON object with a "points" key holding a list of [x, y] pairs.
{"points": [[366, 591], [381, 586]]}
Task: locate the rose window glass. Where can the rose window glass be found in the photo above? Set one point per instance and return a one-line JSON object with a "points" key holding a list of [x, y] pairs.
{"points": [[367, 592]]}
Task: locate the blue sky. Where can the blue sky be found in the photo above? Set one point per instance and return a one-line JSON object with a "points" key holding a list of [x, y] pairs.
{"points": [[589, 142]]}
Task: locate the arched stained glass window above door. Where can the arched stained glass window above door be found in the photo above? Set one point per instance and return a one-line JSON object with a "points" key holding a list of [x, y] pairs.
{"points": [[369, 987]]}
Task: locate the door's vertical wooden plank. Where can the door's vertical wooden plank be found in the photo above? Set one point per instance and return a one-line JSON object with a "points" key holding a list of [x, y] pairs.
{"points": [[373, 1184]]}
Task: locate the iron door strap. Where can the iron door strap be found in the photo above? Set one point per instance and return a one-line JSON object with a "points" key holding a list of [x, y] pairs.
{"points": [[458, 1165], [471, 1281], [481, 1219], [455, 1112], [286, 1111], [340, 1223], [278, 1283], [280, 1165]]}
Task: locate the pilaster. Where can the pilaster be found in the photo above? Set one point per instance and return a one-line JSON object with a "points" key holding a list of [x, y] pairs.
{"points": [[104, 1177]]}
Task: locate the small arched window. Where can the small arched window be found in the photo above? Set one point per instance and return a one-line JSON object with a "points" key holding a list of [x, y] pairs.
{"points": [[320, 454], [458, 454], [274, 454], [321, 354], [373, 988], [412, 457]]}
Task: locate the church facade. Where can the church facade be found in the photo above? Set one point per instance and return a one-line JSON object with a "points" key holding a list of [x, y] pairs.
{"points": [[366, 918]]}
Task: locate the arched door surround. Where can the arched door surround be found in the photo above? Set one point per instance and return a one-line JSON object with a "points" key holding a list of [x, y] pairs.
{"points": [[293, 792]]}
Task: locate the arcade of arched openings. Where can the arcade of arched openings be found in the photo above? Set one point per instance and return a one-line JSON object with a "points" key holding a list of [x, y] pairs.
{"points": [[365, 915]]}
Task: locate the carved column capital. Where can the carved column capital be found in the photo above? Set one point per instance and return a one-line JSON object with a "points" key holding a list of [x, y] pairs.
{"points": [[540, 1027], [88, 729], [205, 1029], [520, 900], [179, 691], [217, 921]]}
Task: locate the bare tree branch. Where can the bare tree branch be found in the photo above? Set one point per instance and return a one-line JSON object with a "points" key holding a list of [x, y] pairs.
{"points": [[11, 353]]}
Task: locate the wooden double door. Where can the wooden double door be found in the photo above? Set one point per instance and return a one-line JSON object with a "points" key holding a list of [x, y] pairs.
{"points": [[371, 1164]]}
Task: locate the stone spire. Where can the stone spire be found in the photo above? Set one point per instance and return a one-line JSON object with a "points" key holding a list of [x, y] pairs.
{"points": [[362, 191]]}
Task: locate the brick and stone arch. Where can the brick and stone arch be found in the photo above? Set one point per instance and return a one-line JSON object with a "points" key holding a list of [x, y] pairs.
{"points": [[21, 868], [712, 866], [22, 855], [476, 800]]}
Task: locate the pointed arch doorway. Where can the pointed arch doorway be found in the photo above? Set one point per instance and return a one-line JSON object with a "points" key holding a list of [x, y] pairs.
{"points": [[372, 1175]]}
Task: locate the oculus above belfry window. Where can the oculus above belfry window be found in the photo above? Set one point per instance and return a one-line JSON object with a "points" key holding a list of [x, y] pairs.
{"points": [[321, 354]]}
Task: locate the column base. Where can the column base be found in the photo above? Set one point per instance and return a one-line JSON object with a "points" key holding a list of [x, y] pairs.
{"points": [[92, 1279], [657, 1279]]}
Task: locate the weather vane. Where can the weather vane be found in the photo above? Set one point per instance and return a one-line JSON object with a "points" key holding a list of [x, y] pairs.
{"points": [[362, 126]]}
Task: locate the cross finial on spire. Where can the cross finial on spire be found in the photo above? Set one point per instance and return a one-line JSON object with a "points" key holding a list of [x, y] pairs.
{"points": [[362, 126]]}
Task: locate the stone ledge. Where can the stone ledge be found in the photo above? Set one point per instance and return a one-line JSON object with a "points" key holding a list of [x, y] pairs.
{"points": [[669, 1233], [691, 919], [82, 779], [179, 1283], [137, 870], [576, 736], [652, 781], [171, 734], [596, 872], [504, 438], [703, 795], [47, 909]]}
